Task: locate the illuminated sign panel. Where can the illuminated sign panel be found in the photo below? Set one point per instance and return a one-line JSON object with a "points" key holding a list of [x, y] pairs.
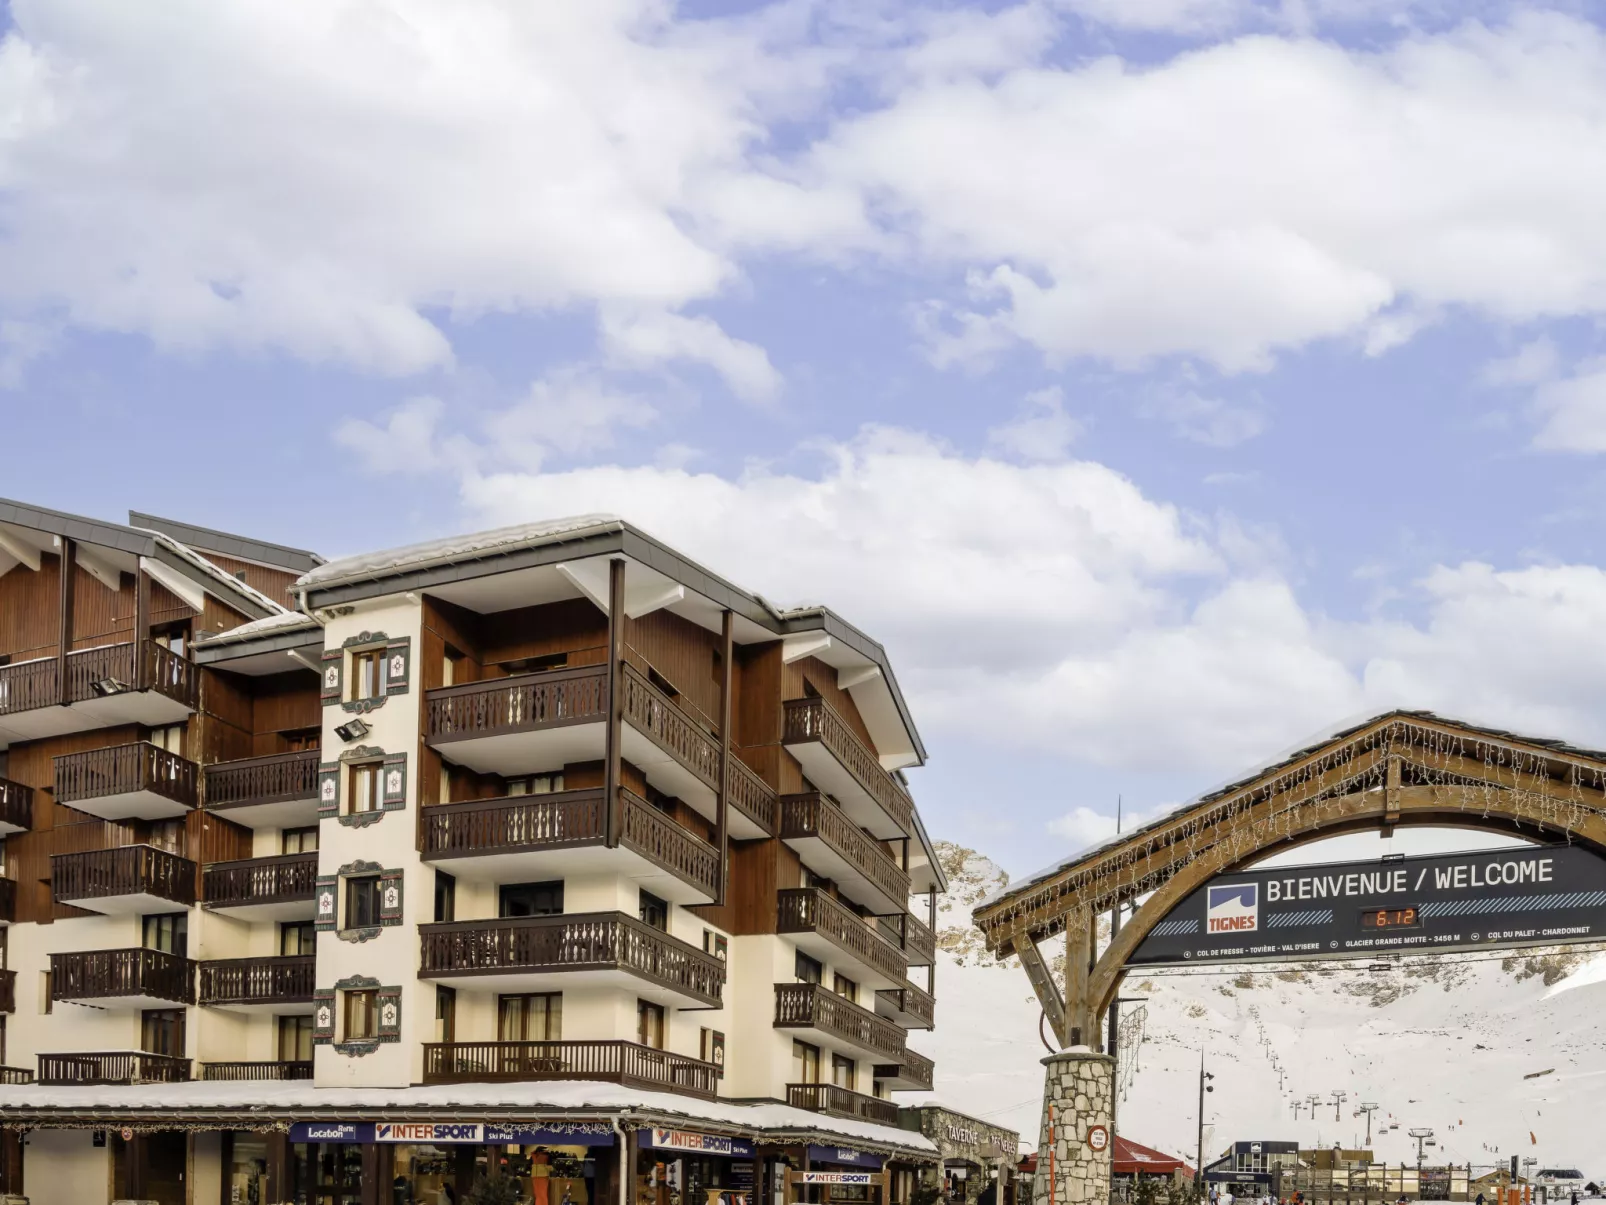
{"points": [[1533, 895]]}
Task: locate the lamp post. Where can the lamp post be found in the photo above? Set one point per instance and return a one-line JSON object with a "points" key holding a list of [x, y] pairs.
{"points": [[1204, 1087]]}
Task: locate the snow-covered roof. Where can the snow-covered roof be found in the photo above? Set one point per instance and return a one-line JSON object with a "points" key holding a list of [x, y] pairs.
{"points": [[558, 1096], [195, 559], [456, 548], [271, 625]]}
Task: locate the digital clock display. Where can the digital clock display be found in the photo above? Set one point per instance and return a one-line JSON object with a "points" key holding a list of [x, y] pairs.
{"points": [[1391, 918]]}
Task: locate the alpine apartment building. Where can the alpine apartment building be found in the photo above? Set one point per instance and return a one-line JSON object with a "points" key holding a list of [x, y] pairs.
{"points": [[543, 853]]}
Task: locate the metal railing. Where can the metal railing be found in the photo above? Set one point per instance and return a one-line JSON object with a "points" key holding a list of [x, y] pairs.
{"points": [[284, 879], [813, 719], [287, 979], [123, 770], [841, 1102], [126, 870], [277, 778], [107, 974], [617, 1062], [285, 1069], [813, 815], [113, 1067], [810, 910], [814, 1006]]}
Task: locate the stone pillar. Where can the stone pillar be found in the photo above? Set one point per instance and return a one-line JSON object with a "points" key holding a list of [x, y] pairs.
{"points": [[1078, 1097]]}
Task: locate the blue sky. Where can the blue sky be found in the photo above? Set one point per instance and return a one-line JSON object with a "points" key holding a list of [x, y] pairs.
{"points": [[1161, 380]]}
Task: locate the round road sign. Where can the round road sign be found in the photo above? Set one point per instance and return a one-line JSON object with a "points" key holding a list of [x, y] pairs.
{"points": [[1098, 1137]]}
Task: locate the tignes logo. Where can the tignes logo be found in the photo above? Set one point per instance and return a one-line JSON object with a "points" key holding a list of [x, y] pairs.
{"points": [[1233, 908]]}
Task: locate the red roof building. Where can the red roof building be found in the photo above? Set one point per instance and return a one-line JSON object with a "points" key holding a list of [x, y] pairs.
{"points": [[1134, 1159]]}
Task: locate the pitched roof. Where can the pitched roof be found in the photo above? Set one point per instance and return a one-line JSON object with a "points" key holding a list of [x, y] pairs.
{"points": [[1133, 1157]]}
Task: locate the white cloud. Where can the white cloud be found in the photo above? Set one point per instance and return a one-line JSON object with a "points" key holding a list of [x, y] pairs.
{"points": [[410, 439], [1533, 362], [1572, 411], [1205, 420], [648, 338], [1041, 431]]}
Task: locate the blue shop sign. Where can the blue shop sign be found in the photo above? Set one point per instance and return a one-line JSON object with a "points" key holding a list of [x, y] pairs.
{"points": [[702, 1144], [844, 1155], [441, 1133]]}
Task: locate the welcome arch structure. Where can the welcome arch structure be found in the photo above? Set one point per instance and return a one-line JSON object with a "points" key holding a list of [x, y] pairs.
{"points": [[1397, 769]]}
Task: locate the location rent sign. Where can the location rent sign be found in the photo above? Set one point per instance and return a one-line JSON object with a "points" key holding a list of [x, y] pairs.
{"points": [[1538, 895]]}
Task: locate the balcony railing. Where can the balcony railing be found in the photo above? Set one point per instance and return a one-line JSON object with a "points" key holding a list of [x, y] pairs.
{"points": [[564, 820], [840, 1102], [16, 804], [277, 778], [29, 685], [522, 703], [654, 713], [289, 979], [124, 871], [34, 684], [914, 1069], [813, 815], [286, 1069], [810, 910], [126, 770], [109, 974], [8, 991], [904, 929], [285, 879], [15, 1075], [8, 900], [813, 719], [750, 795], [911, 1002], [596, 941], [615, 1062], [813, 1006], [113, 1067]]}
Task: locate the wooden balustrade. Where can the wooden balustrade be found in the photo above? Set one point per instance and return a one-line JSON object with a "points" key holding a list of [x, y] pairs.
{"points": [[8, 991], [813, 815], [8, 900], [914, 1068], [841, 1102], [34, 684], [918, 942], [661, 841], [29, 685], [813, 1006], [288, 979], [284, 879], [810, 910], [113, 1067], [522, 703], [284, 1069], [813, 719], [750, 795], [125, 770], [655, 714], [16, 804], [126, 870], [15, 1075], [277, 778], [108, 974], [912, 1002], [576, 942], [617, 1062]]}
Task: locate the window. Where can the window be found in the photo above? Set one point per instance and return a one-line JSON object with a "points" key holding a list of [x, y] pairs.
{"points": [[808, 969], [445, 896], [650, 1024], [364, 795], [530, 899], [535, 665], [654, 911], [295, 1039], [805, 1063], [47, 1003], [716, 944], [299, 740], [173, 640], [367, 674], [452, 667], [843, 1072], [445, 1014], [169, 933], [299, 840], [661, 682], [536, 784], [362, 1014], [846, 988], [362, 902], [711, 1049], [297, 938], [167, 835], [170, 738], [161, 1031], [536, 1017]]}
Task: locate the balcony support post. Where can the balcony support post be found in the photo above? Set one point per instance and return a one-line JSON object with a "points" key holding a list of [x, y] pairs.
{"points": [[616, 701], [142, 624], [727, 647], [69, 571]]}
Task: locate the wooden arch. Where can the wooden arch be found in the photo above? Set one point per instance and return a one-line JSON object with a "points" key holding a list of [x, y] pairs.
{"points": [[1400, 768]]}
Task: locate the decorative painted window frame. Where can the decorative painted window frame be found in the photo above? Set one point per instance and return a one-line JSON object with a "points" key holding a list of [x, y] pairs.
{"points": [[326, 901], [398, 670], [393, 785], [325, 1013]]}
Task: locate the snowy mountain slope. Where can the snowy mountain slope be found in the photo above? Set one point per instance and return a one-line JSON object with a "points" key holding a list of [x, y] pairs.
{"points": [[1483, 1050]]}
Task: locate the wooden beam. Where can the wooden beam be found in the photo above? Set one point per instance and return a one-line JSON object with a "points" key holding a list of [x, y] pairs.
{"points": [[69, 567], [1391, 797], [727, 646], [142, 623], [1048, 992], [1078, 979]]}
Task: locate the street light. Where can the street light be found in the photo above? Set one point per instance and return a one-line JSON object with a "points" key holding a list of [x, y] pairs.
{"points": [[1204, 1087]]}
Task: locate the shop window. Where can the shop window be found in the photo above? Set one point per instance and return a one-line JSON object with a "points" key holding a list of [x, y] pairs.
{"points": [[169, 933], [367, 674], [362, 902], [445, 896], [653, 911], [716, 944], [362, 1015], [445, 1013], [846, 988], [844, 1072], [299, 840], [808, 969], [363, 794], [532, 1017], [805, 1063], [536, 784], [530, 899], [650, 1024], [161, 1031], [297, 939], [295, 1039], [711, 1049]]}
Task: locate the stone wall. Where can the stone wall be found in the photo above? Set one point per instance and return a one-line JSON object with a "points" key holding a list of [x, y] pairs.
{"points": [[1079, 1084]]}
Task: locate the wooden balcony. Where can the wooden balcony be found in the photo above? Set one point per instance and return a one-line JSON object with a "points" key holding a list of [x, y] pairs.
{"points": [[833, 846], [528, 837], [277, 791], [259, 985], [834, 758], [8, 901], [831, 932], [16, 807], [913, 1073], [908, 1006], [16, 1075], [262, 889], [126, 881], [840, 1102], [106, 687], [549, 953], [113, 1067], [910, 934], [8, 991], [836, 1020], [286, 1069], [128, 782], [532, 722], [130, 978], [614, 1062]]}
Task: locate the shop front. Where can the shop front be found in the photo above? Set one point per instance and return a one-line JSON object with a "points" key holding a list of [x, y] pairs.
{"points": [[686, 1167], [977, 1158]]}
